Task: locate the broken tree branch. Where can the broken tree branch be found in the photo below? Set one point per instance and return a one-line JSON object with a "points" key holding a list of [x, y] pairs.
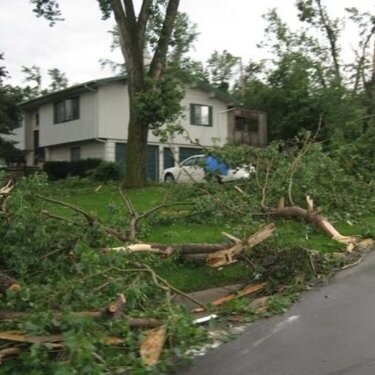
{"points": [[91, 219], [249, 289], [135, 216], [316, 219], [229, 256]]}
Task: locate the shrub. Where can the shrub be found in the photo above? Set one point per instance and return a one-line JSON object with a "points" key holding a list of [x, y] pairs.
{"points": [[107, 171], [57, 170]]}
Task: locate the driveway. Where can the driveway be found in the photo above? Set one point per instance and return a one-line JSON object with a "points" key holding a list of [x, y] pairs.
{"points": [[331, 331]]}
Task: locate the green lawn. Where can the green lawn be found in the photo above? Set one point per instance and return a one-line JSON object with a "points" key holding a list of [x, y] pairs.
{"points": [[103, 200]]}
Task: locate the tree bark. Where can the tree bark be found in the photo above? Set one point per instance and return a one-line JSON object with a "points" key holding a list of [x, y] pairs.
{"points": [[318, 220], [132, 41]]}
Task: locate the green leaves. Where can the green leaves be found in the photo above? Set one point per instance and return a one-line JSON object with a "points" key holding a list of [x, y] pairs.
{"points": [[48, 9]]}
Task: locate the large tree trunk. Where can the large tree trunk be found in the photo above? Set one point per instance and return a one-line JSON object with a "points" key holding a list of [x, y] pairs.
{"points": [[136, 152], [132, 35]]}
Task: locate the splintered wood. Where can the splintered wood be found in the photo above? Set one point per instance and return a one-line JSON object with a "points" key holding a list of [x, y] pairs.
{"points": [[318, 220], [228, 256], [152, 345]]}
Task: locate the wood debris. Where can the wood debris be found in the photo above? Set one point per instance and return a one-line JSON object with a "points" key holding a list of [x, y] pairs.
{"points": [[318, 220], [152, 345], [249, 289], [259, 305], [8, 283], [228, 256]]}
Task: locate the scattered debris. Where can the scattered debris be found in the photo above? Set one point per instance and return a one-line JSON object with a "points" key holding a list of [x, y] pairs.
{"points": [[259, 305], [205, 319], [229, 256]]}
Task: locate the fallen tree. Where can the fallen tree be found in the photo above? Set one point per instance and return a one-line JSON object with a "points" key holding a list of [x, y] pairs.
{"points": [[214, 255]]}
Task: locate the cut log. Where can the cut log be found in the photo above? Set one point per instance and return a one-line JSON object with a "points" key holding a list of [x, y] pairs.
{"points": [[8, 283], [249, 289], [116, 306], [228, 256]]}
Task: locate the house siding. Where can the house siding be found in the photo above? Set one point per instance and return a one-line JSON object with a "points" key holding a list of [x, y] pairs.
{"points": [[95, 150], [218, 132], [113, 111], [71, 131]]}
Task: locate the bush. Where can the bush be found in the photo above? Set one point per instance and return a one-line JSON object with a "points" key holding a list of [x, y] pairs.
{"points": [[107, 171], [57, 170]]}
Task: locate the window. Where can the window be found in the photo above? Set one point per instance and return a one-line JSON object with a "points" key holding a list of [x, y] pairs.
{"points": [[75, 153], [66, 110], [246, 124], [200, 114]]}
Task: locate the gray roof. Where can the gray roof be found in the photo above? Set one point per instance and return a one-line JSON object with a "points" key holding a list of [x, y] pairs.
{"points": [[71, 90], [94, 84]]}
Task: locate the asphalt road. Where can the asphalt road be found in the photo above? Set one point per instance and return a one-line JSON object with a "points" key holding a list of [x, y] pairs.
{"points": [[331, 331]]}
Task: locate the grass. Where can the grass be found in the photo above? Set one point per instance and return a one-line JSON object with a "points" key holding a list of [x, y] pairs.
{"points": [[103, 200]]}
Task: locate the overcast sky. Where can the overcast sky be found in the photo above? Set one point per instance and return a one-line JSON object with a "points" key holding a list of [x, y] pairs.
{"points": [[76, 45]]}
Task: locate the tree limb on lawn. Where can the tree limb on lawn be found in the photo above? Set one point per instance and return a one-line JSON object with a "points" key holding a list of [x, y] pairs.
{"points": [[228, 256], [91, 219], [316, 219]]}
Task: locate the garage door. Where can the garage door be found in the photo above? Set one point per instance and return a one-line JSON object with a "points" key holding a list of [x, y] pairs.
{"points": [[168, 159], [152, 163]]}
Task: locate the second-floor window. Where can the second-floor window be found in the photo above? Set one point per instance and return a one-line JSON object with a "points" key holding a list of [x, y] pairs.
{"points": [[66, 110], [200, 114]]}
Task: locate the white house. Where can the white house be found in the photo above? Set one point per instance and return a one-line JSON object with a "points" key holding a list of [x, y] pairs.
{"points": [[90, 120]]}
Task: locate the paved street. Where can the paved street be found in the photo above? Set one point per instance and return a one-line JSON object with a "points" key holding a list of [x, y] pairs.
{"points": [[331, 331]]}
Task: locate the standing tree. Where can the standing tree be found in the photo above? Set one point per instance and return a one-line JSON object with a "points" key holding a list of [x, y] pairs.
{"points": [[10, 115], [58, 79], [152, 99], [34, 79], [221, 69]]}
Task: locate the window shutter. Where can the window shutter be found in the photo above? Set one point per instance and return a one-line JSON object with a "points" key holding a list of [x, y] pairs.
{"points": [[192, 114], [210, 115]]}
